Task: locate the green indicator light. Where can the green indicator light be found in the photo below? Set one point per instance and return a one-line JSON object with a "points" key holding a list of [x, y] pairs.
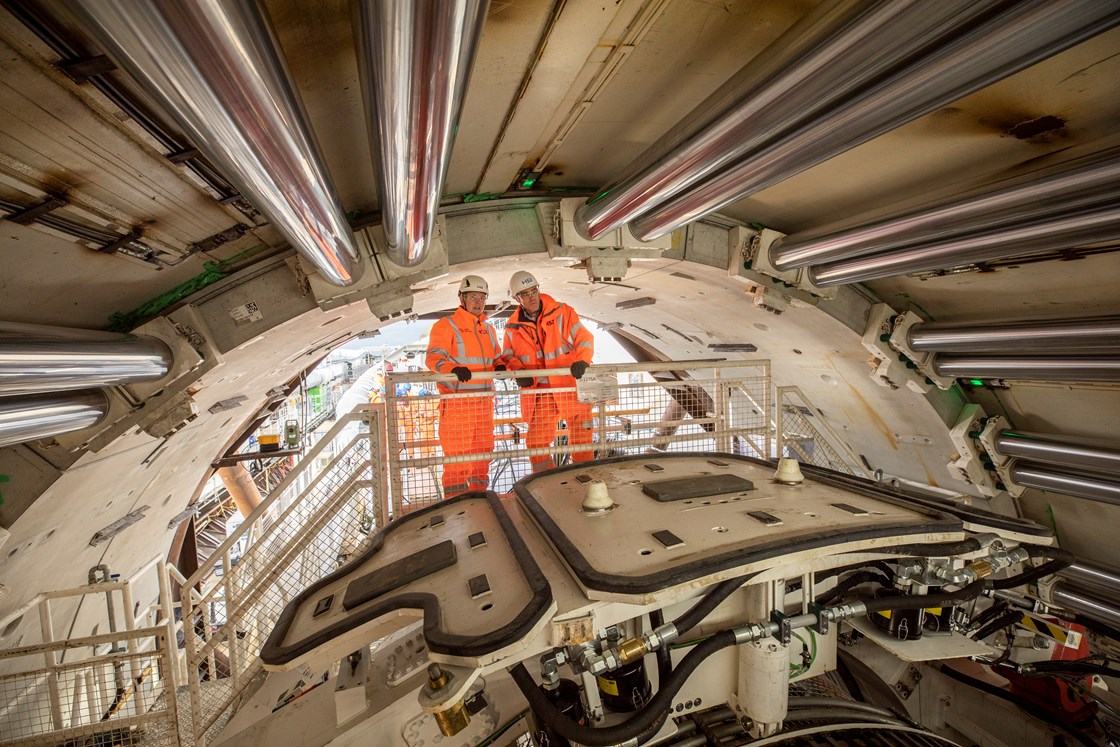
{"points": [[976, 382], [528, 182]]}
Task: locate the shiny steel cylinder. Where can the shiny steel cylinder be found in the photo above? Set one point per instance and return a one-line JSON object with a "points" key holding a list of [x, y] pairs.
{"points": [[1078, 601], [38, 358], [1086, 226], [43, 415], [415, 60], [1044, 335], [1098, 455], [1093, 578], [216, 67], [1002, 43], [1052, 190], [1028, 368], [1060, 480], [814, 65]]}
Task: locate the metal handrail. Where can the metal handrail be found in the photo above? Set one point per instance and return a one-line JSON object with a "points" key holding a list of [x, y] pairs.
{"points": [[359, 413]]}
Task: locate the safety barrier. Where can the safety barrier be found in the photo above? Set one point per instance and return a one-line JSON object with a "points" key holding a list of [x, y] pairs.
{"points": [[291, 540], [112, 688], [377, 462], [804, 434], [621, 409]]}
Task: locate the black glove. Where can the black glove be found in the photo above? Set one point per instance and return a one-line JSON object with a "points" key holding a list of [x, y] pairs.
{"points": [[525, 382], [578, 369], [499, 367], [462, 373]]}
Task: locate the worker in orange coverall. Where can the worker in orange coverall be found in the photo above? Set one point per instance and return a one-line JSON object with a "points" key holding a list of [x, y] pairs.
{"points": [[465, 343], [543, 333]]}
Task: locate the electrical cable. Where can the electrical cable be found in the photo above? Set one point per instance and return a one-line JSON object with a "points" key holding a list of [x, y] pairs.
{"points": [[840, 714], [821, 701], [637, 725], [1024, 705]]}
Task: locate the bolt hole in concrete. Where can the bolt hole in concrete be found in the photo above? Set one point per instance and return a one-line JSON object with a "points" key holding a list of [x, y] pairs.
{"points": [[719, 530], [829, 379], [486, 607], [645, 551]]}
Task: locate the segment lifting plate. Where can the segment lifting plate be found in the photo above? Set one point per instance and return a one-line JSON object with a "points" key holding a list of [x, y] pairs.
{"points": [[476, 595], [735, 520]]}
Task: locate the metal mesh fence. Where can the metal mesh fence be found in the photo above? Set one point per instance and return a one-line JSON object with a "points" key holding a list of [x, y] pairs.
{"points": [[443, 444], [300, 542], [115, 698], [805, 436]]}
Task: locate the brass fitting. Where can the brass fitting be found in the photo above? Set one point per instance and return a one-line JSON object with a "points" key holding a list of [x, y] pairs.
{"points": [[455, 718], [631, 650], [982, 568]]}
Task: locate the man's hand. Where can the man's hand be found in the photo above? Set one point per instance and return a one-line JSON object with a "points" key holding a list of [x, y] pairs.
{"points": [[579, 368], [525, 382], [462, 373], [499, 367]]}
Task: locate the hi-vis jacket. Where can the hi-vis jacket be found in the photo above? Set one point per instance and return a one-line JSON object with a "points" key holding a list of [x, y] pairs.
{"points": [[557, 339], [463, 339]]}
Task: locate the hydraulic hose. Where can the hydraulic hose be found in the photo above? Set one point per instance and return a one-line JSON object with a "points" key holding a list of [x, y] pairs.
{"points": [[704, 607], [1005, 620], [989, 614], [821, 701], [922, 601], [843, 587], [841, 714], [664, 657], [938, 549], [1060, 559], [635, 726]]}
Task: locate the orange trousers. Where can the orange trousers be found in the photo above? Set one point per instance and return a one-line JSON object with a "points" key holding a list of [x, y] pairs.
{"points": [[466, 426], [543, 409]]}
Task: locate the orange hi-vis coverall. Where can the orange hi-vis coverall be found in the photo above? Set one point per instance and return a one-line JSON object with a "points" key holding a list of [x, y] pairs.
{"points": [[466, 423], [555, 339]]}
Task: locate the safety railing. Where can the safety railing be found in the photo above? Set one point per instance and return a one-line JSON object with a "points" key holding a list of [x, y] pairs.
{"points": [[116, 687], [293, 538], [614, 410], [804, 434]]}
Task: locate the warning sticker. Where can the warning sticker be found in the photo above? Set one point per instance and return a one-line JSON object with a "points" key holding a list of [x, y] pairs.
{"points": [[597, 387], [246, 313]]}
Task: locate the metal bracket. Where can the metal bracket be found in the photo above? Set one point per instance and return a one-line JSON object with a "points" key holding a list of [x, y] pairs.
{"points": [[785, 628], [823, 619], [30, 214], [123, 241]]}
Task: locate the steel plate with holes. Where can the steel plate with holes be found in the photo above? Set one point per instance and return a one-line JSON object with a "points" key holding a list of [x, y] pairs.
{"points": [[645, 545], [434, 564]]}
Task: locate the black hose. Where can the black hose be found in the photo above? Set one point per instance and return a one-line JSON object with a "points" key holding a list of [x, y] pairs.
{"points": [[822, 701], [1005, 620], [1096, 626], [1024, 705], [635, 726], [1071, 667], [1059, 559], [922, 601], [841, 714], [936, 549], [843, 587], [989, 614], [704, 607], [664, 657]]}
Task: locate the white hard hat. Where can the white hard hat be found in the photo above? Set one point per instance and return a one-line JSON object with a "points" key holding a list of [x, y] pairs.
{"points": [[473, 284], [521, 281]]}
